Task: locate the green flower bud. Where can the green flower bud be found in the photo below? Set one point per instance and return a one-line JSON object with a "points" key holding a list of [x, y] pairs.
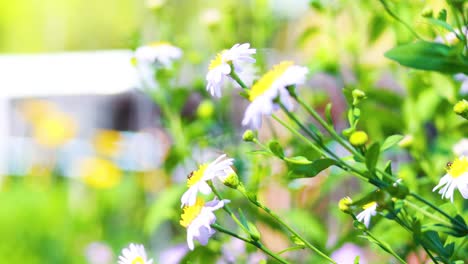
{"points": [[358, 96], [461, 108], [254, 233], [406, 142], [358, 138], [427, 12], [347, 132], [344, 205], [231, 180], [205, 109], [248, 136]]}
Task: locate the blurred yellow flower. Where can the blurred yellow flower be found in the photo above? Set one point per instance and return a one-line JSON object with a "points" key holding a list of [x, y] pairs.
{"points": [[54, 129], [51, 127], [107, 143], [100, 173]]}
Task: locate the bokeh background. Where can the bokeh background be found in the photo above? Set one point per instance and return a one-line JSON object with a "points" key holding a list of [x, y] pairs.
{"points": [[90, 160]]}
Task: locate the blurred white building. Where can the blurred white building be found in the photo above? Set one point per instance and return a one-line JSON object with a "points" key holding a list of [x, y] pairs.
{"points": [[97, 88]]}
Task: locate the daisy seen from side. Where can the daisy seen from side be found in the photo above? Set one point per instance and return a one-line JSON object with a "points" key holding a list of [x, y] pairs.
{"points": [[220, 69], [198, 218], [158, 52], [134, 254], [455, 178], [197, 180], [272, 85], [370, 209]]}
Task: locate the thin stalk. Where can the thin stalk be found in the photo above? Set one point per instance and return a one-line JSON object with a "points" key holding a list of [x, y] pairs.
{"points": [[388, 249], [453, 220], [228, 210], [289, 249], [280, 221], [424, 212], [343, 165], [236, 78], [252, 242], [327, 127]]}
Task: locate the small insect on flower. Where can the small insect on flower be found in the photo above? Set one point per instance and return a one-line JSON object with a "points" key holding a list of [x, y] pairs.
{"points": [[220, 67], [272, 86], [134, 254], [198, 219], [455, 178], [197, 180], [370, 210]]}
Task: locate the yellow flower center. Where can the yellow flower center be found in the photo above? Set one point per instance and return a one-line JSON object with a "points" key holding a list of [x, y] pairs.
{"points": [[218, 60], [268, 79], [458, 167], [196, 176], [369, 205], [138, 260], [191, 212]]}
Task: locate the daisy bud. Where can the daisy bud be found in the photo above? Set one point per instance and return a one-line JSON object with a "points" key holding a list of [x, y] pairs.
{"points": [[358, 138], [254, 233], [248, 136], [344, 205], [358, 95], [461, 108], [406, 142], [427, 12], [231, 179], [206, 109]]}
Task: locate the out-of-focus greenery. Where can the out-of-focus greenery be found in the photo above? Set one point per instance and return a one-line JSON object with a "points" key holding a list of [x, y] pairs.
{"points": [[54, 25]]}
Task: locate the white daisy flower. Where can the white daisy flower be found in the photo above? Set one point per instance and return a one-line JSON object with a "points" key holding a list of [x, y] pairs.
{"points": [[197, 180], [461, 147], [455, 178], [370, 210], [220, 68], [158, 52], [134, 254], [198, 219], [271, 85]]}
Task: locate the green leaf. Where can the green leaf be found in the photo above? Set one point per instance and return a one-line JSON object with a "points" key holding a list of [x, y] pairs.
{"points": [[440, 23], [429, 56], [276, 149], [309, 169], [298, 160], [377, 27], [442, 15], [372, 156], [328, 113], [391, 141]]}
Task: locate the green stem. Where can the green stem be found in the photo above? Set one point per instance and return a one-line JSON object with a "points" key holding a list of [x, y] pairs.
{"points": [[327, 127], [343, 165], [280, 221], [392, 14], [228, 209], [290, 249], [387, 248], [453, 220], [252, 242], [424, 212], [236, 78]]}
